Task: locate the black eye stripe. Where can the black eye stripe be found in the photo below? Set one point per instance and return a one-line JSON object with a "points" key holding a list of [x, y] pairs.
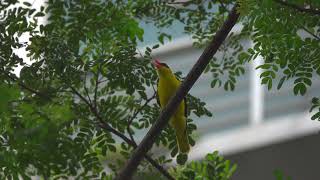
{"points": [[164, 64]]}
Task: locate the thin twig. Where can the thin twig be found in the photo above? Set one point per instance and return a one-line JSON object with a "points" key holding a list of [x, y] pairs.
{"points": [[312, 34], [133, 144], [108, 128], [102, 81], [154, 89], [96, 91], [130, 120], [141, 108], [298, 8]]}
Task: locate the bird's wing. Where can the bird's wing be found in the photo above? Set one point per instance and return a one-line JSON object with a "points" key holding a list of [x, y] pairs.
{"points": [[186, 112], [185, 107]]}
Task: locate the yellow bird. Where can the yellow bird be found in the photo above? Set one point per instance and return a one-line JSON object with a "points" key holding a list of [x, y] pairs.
{"points": [[167, 86]]}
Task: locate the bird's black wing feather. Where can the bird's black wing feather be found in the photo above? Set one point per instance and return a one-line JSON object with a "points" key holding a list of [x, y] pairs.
{"points": [[185, 107], [185, 100], [186, 113]]}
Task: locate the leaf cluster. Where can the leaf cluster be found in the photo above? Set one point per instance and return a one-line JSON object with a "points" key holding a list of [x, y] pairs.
{"points": [[213, 166], [87, 91]]}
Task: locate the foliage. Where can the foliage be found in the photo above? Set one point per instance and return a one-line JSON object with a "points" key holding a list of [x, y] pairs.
{"points": [[286, 39], [87, 93], [86, 90], [213, 167], [280, 176], [315, 104], [283, 48]]}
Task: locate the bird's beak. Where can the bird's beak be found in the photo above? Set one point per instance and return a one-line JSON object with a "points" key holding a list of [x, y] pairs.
{"points": [[156, 63]]}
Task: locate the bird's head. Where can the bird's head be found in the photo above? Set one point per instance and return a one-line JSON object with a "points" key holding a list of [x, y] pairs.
{"points": [[162, 68]]}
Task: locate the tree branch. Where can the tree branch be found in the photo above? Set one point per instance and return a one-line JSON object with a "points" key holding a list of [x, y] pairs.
{"points": [[106, 127], [133, 144], [22, 85], [130, 120], [96, 91], [308, 31], [298, 8], [102, 124], [147, 142]]}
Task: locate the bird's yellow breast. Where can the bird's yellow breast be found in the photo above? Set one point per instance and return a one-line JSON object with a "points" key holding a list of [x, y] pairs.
{"points": [[167, 86]]}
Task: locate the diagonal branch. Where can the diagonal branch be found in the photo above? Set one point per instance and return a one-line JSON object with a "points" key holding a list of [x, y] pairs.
{"points": [[147, 142], [133, 144], [298, 8]]}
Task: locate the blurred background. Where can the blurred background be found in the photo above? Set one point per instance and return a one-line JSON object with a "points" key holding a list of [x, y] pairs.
{"points": [[259, 130]]}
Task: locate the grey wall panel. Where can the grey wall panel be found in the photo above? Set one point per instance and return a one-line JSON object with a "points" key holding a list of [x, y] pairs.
{"points": [[297, 158]]}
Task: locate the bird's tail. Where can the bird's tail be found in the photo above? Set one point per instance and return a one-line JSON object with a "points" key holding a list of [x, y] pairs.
{"points": [[183, 142]]}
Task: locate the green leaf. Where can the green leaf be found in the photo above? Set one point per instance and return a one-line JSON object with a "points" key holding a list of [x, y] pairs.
{"points": [[281, 82], [265, 74], [155, 46], [269, 84], [316, 116], [8, 94], [182, 159], [27, 4], [174, 152], [39, 14], [214, 83], [112, 148], [264, 66], [299, 88], [315, 100], [251, 51], [132, 27], [243, 57], [162, 37]]}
